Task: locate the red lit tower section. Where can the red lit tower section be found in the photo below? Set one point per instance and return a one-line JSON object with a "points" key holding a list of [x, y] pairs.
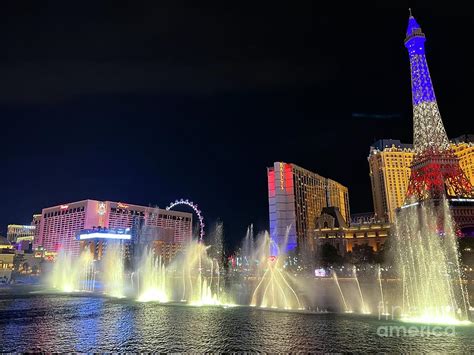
{"points": [[281, 202]]}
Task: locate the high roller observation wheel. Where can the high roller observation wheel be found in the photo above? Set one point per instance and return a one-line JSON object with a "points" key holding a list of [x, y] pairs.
{"points": [[195, 209]]}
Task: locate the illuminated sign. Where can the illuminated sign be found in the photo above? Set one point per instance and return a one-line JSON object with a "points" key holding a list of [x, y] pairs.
{"points": [[462, 199], [98, 235], [28, 238], [122, 233], [102, 208], [64, 207], [320, 272], [281, 176], [20, 226], [122, 205]]}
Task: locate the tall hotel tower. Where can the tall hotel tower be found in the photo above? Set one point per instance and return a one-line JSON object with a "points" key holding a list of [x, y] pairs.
{"points": [[389, 163], [296, 197]]}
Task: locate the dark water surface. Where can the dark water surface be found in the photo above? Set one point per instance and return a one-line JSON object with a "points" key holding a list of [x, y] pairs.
{"points": [[94, 324]]}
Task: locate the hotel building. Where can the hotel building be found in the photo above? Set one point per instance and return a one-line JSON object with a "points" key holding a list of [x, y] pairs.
{"points": [[389, 164], [61, 224], [296, 197], [390, 168], [463, 147]]}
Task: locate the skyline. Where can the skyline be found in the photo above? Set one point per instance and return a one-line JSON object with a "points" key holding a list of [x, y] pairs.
{"points": [[111, 161]]}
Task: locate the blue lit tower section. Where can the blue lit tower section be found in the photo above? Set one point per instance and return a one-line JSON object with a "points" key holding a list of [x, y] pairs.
{"points": [[281, 203], [429, 132]]}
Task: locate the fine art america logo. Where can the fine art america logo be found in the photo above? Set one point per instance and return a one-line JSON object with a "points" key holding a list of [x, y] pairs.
{"points": [[409, 330]]}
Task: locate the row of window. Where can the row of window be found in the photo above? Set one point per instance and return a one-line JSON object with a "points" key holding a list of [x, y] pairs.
{"points": [[353, 235], [167, 216], [125, 211], [62, 212]]}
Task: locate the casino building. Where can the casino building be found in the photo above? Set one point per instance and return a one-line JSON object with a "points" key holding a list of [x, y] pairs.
{"points": [[61, 226], [331, 228]]}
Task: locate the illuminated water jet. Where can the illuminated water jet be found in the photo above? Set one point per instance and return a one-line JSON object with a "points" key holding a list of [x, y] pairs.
{"points": [[192, 277], [152, 274], [428, 263], [73, 274], [382, 301], [273, 290], [113, 270], [346, 308], [364, 308], [198, 277]]}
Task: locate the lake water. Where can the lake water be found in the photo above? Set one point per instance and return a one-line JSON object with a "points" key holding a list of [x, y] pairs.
{"points": [[38, 322]]}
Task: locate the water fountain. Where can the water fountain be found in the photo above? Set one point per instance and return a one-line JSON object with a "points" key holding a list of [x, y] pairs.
{"points": [[73, 274], [113, 270], [428, 263], [382, 306], [248, 247], [200, 276], [273, 290], [152, 275], [194, 276], [346, 308], [364, 308]]}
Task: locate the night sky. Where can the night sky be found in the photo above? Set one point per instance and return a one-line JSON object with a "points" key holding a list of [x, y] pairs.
{"points": [[149, 104]]}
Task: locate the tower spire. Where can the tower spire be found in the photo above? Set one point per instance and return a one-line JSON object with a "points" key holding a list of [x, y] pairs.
{"points": [[428, 128], [409, 10]]}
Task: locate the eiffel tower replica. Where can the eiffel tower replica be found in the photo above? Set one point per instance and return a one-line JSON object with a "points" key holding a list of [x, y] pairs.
{"points": [[435, 170]]}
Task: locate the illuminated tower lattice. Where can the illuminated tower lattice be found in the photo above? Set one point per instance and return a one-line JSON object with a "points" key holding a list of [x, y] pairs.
{"points": [[435, 169]]}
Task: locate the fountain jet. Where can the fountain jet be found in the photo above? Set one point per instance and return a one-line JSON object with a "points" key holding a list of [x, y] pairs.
{"points": [[428, 263], [273, 290], [152, 274], [364, 308], [73, 274], [346, 308], [382, 301], [113, 270]]}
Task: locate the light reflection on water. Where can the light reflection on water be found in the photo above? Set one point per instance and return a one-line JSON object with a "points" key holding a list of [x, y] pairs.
{"points": [[86, 324]]}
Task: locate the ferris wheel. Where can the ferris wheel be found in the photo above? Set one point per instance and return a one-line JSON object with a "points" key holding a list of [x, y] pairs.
{"points": [[195, 209]]}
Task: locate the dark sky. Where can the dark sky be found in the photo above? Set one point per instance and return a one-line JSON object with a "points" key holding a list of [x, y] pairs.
{"points": [[148, 104]]}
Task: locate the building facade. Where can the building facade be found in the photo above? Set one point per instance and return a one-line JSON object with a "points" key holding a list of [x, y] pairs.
{"points": [[296, 197], [167, 251], [60, 224], [7, 257], [463, 147], [36, 221], [332, 229], [390, 168], [15, 231]]}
